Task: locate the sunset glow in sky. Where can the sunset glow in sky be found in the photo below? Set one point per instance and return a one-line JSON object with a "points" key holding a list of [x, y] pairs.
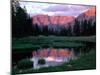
{"points": [[54, 9]]}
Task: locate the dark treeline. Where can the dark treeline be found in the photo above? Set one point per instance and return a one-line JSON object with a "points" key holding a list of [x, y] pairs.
{"points": [[84, 28], [22, 26]]}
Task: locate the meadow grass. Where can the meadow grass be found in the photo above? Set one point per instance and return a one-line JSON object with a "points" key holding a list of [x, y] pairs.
{"points": [[50, 41]]}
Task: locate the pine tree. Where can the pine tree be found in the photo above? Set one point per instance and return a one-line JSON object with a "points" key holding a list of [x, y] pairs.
{"points": [[64, 31], [94, 29], [84, 28], [21, 23], [69, 30], [45, 30], [76, 28]]}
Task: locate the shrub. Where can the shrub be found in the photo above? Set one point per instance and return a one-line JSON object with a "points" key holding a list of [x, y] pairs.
{"points": [[25, 64], [41, 61]]}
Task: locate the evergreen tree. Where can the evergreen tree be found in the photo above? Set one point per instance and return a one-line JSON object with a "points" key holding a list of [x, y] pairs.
{"points": [[45, 30], [84, 28], [50, 31], [76, 28], [69, 29], [64, 32], [94, 28], [89, 28], [36, 30], [21, 23]]}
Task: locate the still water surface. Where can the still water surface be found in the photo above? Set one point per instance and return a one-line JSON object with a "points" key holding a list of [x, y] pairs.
{"points": [[52, 56]]}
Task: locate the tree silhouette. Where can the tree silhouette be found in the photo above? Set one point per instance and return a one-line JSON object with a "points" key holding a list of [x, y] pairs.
{"points": [[64, 31], [76, 28], [45, 30], [36, 30], [21, 23], [86, 28], [94, 28], [89, 27], [69, 31]]}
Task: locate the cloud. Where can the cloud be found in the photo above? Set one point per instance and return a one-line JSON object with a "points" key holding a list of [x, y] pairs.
{"points": [[60, 7], [71, 10], [54, 9]]}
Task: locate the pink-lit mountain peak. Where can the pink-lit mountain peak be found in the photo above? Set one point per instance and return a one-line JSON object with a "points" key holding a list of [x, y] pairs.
{"points": [[54, 20], [90, 14], [61, 20], [40, 19], [91, 11]]}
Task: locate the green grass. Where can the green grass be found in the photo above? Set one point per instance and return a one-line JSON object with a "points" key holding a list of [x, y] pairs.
{"points": [[50, 41]]}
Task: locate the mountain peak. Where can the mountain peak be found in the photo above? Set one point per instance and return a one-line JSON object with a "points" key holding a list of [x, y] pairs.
{"points": [[91, 11], [54, 20]]}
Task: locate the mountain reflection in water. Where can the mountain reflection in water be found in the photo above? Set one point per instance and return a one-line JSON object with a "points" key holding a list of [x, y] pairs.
{"points": [[52, 56], [52, 52]]}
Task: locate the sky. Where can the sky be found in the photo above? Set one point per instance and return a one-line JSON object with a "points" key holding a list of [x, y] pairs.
{"points": [[34, 8]]}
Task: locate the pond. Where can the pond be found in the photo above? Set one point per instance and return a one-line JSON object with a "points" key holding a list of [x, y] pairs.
{"points": [[51, 56]]}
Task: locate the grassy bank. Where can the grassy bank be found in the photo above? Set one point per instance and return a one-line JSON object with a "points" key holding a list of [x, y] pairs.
{"points": [[50, 41]]}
